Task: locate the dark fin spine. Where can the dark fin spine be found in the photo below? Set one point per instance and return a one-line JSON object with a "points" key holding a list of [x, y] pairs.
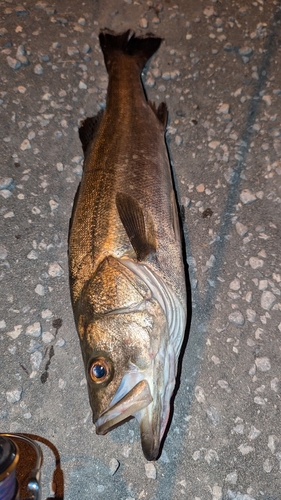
{"points": [[131, 214], [88, 130], [161, 112], [139, 48]]}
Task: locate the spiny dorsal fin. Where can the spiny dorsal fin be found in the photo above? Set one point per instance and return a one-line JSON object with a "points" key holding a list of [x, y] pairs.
{"points": [[131, 214], [161, 112], [88, 130]]}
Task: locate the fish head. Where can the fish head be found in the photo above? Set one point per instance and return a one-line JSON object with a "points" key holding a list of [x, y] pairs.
{"points": [[129, 362]]}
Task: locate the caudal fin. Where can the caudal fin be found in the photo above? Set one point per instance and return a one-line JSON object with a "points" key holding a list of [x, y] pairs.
{"points": [[140, 48]]}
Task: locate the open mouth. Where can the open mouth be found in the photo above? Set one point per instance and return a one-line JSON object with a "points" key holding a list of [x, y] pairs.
{"points": [[138, 398]]}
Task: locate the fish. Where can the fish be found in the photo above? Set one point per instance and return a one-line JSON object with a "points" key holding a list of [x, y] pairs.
{"points": [[126, 267]]}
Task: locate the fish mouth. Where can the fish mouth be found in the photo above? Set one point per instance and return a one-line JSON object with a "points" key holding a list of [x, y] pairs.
{"points": [[140, 395], [138, 398]]}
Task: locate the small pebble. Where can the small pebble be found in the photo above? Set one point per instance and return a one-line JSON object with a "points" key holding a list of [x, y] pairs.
{"points": [[150, 470], [263, 284], [15, 333], [236, 318], [199, 394], [267, 300], [251, 315], [55, 270], [34, 330], [235, 284], [46, 314], [36, 360], [60, 343], [62, 383], [213, 144], [5, 193], [82, 86], [143, 23], [259, 401], [53, 205], [274, 384], [6, 182], [25, 145], [71, 51], [254, 433], [196, 455], [267, 465], [246, 196], [38, 69], [114, 466], [223, 109], [3, 252], [86, 48], [200, 188], [178, 140], [13, 63], [32, 255], [209, 11], [231, 478], [40, 290], [245, 449], [273, 442], [263, 364], [255, 263], [34, 346], [267, 99], [13, 396], [245, 51], [211, 457], [47, 337]]}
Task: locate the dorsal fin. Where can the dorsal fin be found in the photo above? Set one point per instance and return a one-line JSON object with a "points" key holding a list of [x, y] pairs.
{"points": [[131, 214], [88, 130], [161, 112]]}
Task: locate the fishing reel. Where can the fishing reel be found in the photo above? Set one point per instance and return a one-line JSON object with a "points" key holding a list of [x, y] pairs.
{"points": [[20, 468]]}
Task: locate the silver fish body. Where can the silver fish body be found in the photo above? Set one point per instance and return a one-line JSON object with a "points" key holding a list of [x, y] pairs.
{"points": [[127, 275]]}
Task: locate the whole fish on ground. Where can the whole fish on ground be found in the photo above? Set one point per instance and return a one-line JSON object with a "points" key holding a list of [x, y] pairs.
{"points": [[127, 275]]}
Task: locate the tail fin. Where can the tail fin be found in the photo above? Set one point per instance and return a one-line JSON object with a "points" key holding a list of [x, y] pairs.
{"points": [[140, 48]]}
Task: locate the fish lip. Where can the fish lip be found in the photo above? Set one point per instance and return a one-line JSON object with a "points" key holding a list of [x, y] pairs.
{"points": [[138, 398]]}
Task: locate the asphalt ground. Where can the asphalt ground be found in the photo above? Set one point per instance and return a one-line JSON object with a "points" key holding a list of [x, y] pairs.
{"points": [[219, 71]]}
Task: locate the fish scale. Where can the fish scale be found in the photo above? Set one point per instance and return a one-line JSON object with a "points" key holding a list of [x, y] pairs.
{"points": [[127, 276]]}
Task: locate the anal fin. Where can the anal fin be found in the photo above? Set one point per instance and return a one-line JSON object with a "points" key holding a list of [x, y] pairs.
{"points": [[142, 238]]}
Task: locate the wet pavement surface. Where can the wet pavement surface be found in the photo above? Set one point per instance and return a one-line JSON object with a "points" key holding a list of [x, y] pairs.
{"points": [[219, 72]]}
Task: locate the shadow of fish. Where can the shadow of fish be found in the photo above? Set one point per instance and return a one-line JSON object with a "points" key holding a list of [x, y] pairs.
{"points": [[126, 271]]}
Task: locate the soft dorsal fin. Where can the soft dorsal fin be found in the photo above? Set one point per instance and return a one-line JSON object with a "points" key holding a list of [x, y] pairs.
{"points": [[161, 112], [88, 130], [141, 237]]}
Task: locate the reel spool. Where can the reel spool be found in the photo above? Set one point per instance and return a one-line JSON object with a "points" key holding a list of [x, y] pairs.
{"points": [[20, 468]]}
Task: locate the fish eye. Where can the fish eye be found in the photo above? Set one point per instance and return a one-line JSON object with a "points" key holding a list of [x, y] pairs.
{"points": [[99, 370]]}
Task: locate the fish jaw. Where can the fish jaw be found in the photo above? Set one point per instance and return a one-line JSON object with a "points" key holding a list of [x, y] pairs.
{"points": [[138, 398]]}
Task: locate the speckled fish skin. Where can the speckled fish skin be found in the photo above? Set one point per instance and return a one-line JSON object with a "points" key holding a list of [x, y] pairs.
{"points": [[127, 276]]}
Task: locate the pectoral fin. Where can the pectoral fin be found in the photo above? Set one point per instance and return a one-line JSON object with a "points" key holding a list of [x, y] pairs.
{"points": [[141, 237]]}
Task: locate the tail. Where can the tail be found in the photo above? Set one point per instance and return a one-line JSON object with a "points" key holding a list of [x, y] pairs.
{"points": [[140, 48]]}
